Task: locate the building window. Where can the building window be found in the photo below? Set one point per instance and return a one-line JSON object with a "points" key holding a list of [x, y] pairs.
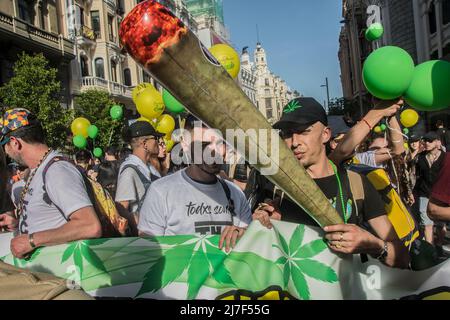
{"points": [[268, 103], [111, 28], [267, 82], [269, 113], [42, 10], [446, 12], [99, 68], [24, 10], [127, 77], [267, 92], [432, 18], [95, 20], [113, 71], [82, 16], [84, 66]]}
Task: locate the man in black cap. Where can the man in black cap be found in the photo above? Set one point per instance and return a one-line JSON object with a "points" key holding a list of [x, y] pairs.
{"points": [[134, 173], [429, 164], [305, 130]]}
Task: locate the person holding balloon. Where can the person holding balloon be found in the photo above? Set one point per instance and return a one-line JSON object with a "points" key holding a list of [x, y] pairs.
{"points": [[358, 134]]}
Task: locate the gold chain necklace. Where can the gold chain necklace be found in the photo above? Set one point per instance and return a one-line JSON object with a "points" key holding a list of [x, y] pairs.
{"points": [[27, 185]]}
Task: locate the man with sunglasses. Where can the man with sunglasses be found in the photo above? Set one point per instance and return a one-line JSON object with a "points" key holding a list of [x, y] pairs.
{"points": [[53, 212], [196, 200], [428, 166], [367, 230], [135, 176]]}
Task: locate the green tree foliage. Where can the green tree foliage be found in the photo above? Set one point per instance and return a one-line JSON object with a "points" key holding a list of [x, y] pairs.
{"points": [[35, 87], [94, 105]]}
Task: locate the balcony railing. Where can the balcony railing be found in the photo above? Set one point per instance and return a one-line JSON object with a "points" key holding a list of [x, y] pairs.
{"points": [[114, 88], [28, 31], [112, 3], [4, 18]]}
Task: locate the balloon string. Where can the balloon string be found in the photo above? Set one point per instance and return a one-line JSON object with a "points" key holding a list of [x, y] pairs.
{"points": [[396, 130], [110, 135]]}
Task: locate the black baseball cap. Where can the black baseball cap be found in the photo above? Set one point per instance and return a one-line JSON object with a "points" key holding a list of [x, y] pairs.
{"points": [[301, 113], [414, 138], [142, 129], [431, 136]]}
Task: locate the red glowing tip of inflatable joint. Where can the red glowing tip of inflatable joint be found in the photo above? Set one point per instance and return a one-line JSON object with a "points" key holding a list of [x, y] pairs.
{"points": [[148, 29]]}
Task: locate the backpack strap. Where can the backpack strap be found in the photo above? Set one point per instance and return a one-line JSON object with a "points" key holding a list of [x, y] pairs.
{"points": [[44, 175], [227, 191], [145, 181], [356, 185], [141, 176], [357, 190]]}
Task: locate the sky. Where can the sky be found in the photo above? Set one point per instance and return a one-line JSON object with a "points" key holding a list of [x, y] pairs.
{"points": [[301, 39]]}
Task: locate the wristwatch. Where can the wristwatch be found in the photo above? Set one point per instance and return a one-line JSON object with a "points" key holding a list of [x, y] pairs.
{"points": [[31, 240], [383, 255]]}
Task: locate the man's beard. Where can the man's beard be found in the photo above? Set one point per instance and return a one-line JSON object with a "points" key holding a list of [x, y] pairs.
{"points": [[18, 159]]}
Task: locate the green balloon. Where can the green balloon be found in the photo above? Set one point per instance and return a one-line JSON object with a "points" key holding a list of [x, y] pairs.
{"points": [[116, 112], [79, 141], [388, 72], [374, 32], [406, 131], [98, 152], [92, 131], [172, 104], [383, 127], [430, 86]]}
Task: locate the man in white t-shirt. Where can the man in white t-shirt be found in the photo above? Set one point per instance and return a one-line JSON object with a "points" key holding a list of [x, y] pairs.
{"points": [[195, 200], [51, 213], [134, 174]]}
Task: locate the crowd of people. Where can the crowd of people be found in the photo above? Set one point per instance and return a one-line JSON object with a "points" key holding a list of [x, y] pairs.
{"points": [[47, 202]]}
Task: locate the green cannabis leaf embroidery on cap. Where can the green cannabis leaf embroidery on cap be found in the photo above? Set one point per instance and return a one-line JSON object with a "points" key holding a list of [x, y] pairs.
{"points": [[296, 262], [292, 106]]}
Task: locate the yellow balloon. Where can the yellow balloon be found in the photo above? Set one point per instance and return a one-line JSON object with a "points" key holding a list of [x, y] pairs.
{"points": [[149, 104], [139, 89], [377, 129], [169, 145], [406, 145], [409, 118], [80, 127], [166, 124], [228, 58]]}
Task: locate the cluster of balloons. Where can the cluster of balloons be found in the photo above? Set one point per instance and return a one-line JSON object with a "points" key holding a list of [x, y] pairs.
{"points": [[228, 58], [151, 106], [380, 128], [82, 129], [389, 73]]}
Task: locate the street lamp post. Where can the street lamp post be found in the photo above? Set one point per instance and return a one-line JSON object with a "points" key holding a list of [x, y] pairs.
{"points": [[328, 92]]}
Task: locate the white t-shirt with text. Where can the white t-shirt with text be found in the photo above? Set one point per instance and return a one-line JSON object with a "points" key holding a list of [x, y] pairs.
{"points": [[178, 205]]}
